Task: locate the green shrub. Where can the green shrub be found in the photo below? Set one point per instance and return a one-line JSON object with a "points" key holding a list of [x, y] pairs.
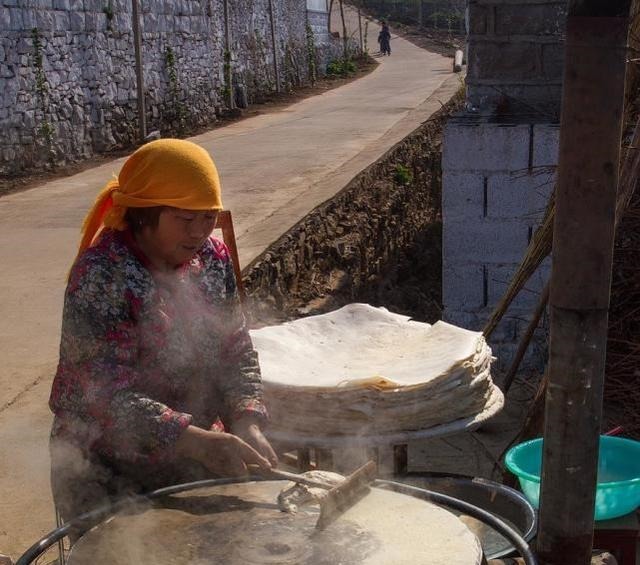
{"points": [[341, 68], [402, 175]]}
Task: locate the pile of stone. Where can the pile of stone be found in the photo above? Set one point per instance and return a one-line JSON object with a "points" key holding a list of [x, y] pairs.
{"points": [[362, 370]]}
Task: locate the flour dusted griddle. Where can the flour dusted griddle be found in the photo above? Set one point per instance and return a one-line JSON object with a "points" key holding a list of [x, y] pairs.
{"points": [[241, 523]]}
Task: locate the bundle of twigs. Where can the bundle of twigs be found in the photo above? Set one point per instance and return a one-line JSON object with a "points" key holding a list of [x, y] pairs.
{"points": [[538, 250], [622, 384]]}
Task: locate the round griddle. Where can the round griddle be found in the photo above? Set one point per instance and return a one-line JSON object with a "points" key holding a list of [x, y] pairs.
{"points": [[241, 523]]}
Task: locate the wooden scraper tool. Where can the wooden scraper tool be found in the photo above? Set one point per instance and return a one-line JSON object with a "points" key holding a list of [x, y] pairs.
{"points": [[343, 496]]}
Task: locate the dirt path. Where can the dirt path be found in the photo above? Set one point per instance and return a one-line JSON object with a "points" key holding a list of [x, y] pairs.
{"points": [[275, 168]]}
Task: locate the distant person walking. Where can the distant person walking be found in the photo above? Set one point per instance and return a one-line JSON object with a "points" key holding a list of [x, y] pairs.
{"points": [[384, 39]]}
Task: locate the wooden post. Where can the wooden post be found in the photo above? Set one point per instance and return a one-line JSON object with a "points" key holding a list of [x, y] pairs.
{"points": [[360, 29], [420, 16], [137, 47], [589, 152], [276, 68], [228, 57], [345, 37]]}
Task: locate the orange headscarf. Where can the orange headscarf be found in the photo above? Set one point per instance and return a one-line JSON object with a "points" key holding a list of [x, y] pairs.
{"points": [[166, 172]]}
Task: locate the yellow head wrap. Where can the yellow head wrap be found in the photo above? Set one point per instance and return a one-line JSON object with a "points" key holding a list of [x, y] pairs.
{"points": [[166, 172]]}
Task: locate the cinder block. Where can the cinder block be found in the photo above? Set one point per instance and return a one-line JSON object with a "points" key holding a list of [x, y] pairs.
{"points": [[544, 182], [534, 359], [485, 147], [553, 61], [508, 195], [462, 288], [504, 60], [462, 195], [504, 353], [505, 331], [500, 276], [541, 277], [528, 19], [520, 195], [492, 241], [467, 320], [546, 139]]}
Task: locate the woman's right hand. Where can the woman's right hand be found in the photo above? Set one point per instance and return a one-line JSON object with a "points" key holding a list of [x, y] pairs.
{"points": [[221, 453]]}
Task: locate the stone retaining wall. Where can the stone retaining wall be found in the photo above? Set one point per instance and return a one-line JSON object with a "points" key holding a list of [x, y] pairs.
{"points": [[350, 241], [67, 70]]}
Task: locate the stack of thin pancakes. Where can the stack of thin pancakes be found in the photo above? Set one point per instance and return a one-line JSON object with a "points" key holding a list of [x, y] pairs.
{"points": [[363, 370]]}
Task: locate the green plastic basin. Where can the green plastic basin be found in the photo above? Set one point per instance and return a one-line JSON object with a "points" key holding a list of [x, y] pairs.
{"points": [[618, 488]]}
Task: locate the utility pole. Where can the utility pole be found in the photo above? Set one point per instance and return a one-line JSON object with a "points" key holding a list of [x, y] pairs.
{"points": [[137, 47], [276, 69], [590, 135]]}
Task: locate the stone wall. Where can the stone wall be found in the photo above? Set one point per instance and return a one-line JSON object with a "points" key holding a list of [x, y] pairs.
{"points": [[346, 245], [67, 70], [516, 52]]}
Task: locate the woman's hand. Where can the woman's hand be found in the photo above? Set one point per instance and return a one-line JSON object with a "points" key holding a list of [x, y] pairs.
{"points": [[248, 429], [221, 453]]}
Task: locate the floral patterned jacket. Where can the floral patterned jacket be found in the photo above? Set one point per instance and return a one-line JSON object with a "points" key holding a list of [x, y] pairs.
{"points": [[144, 354]]}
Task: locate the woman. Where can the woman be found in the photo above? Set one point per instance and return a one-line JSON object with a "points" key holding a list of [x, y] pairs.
{"points": [[157, 382]]}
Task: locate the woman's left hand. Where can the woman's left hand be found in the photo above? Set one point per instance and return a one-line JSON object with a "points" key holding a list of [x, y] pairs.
{"points": [[247, 429]]}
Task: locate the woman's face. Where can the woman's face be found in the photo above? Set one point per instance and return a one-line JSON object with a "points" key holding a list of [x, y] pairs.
{"points": [[178, 235]]}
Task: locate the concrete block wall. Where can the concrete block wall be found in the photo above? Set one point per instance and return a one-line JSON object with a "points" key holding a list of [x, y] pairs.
{"points": [[497, 179], [516, 50]]}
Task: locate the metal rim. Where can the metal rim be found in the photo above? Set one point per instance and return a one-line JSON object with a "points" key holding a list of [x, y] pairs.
{"points": [[95, 516], [517, 498]]}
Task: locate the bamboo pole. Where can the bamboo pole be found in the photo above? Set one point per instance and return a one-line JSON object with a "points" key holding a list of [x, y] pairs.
{"points": [[589, 152], [137, 47]]}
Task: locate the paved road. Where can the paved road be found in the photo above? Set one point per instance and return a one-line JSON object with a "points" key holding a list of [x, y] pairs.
{"points": [[275, 168]]}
